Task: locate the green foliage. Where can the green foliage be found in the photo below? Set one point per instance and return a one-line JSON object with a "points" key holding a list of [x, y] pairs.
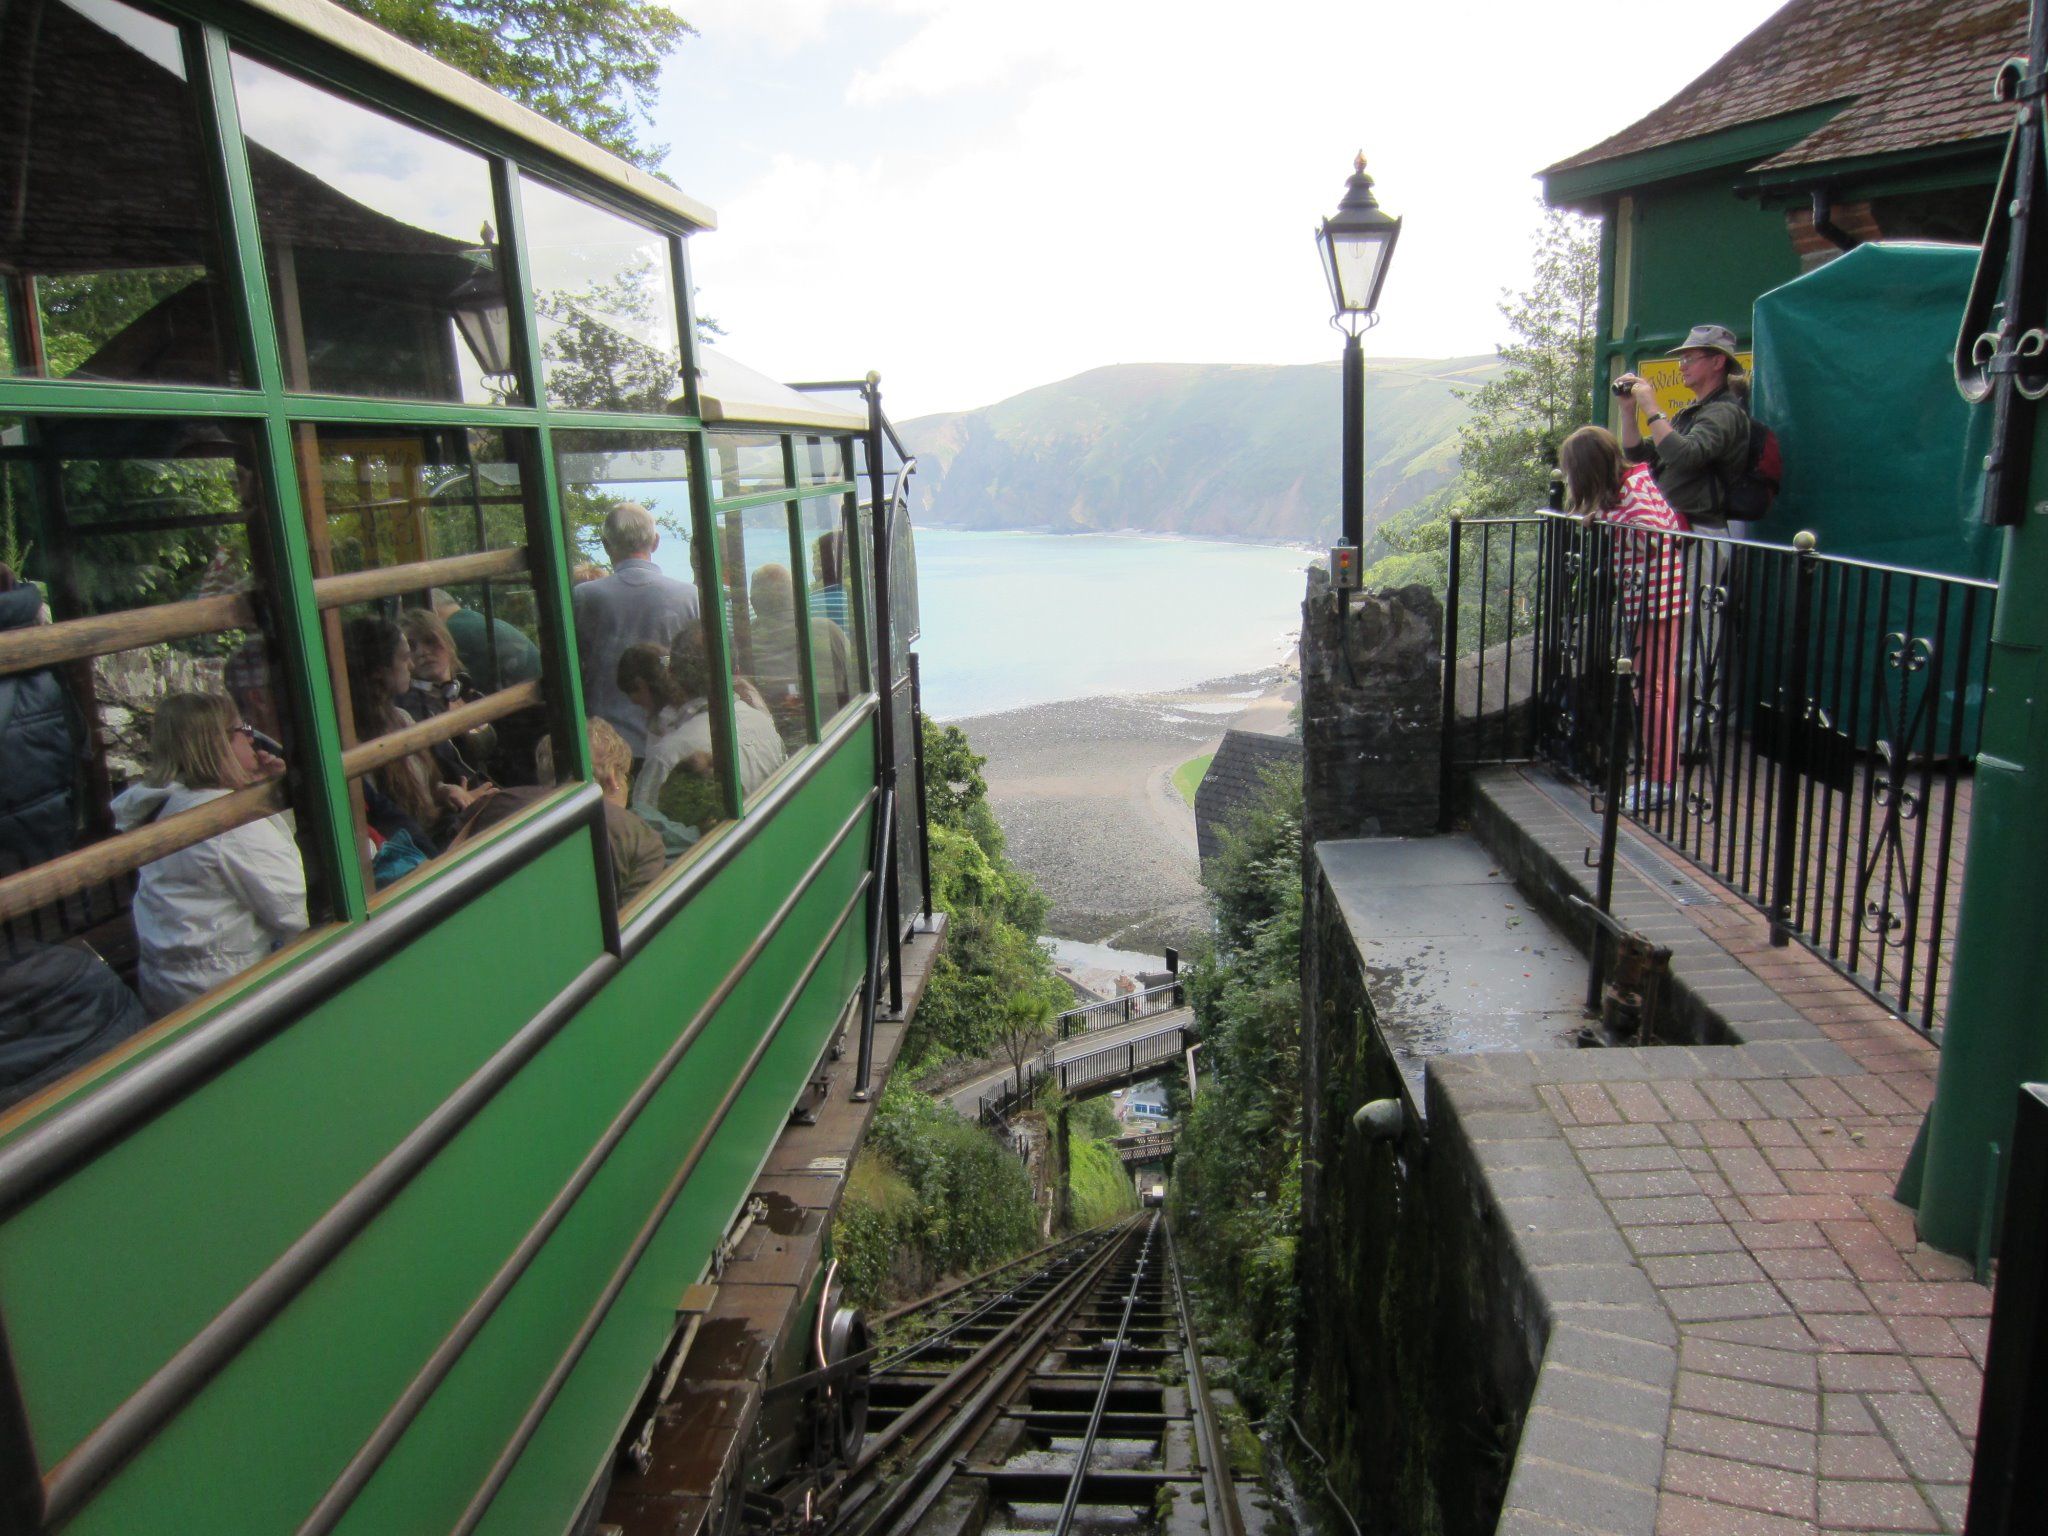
{"points": [[992, 957], [930, 1195], [1237, 1171], [1103, 1189], [1507, 447], [591, 65], [1509, 441]]}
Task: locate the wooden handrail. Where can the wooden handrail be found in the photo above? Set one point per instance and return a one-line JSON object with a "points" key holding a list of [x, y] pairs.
{"points": [[119, 855], [49, 645], [392, 580], [369, 756]]}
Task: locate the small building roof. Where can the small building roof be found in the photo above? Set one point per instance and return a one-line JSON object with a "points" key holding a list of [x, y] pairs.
{"points": [[1906, 75], [1233, 779], [375, 46]]}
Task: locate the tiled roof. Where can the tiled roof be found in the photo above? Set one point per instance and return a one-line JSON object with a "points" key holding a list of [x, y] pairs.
{"points": [[1911, 74], [1233, 778]]}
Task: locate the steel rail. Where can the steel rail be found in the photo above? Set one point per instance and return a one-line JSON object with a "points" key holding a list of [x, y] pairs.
{"points": [[912, 1350], [1218, 1486], [997, 1366], [1079, 1479]]}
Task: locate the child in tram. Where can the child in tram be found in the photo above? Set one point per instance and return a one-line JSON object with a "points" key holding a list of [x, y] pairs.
{"points": [[207, 913]]}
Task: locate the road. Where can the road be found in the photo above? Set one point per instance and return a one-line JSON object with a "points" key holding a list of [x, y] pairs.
{"points": [[967, 1097]]}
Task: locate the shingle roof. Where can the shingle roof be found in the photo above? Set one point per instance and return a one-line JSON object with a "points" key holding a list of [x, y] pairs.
{"points": [[1912, 74], [1233, 778]]}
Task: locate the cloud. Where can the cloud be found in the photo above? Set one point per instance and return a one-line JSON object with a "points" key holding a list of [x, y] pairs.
{"points": [[990, 208]]}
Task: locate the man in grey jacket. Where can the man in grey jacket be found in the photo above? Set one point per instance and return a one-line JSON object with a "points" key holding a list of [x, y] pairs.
{"points": [[1696, 453], [635, 603]]}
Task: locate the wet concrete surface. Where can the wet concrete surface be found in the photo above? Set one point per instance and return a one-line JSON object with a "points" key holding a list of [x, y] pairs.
{"points": [[1455, 960]]}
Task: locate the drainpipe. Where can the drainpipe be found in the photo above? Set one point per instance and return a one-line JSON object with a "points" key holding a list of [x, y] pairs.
{"points": [[1824, 223]]}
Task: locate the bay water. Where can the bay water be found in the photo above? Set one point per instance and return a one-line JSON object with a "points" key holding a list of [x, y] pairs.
{"points": [[1013, 619]]}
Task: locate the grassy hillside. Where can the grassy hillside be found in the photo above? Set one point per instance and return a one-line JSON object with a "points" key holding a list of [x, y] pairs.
{"points": [[1224, 450]]}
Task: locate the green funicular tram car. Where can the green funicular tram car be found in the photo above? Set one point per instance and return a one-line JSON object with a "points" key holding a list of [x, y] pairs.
{"points": [[396, 1009]]}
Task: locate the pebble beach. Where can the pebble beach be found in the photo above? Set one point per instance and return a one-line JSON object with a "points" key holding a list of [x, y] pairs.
{"points": [[1083, 789]]}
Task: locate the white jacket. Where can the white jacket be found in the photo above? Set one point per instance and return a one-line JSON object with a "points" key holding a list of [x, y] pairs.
{"points": [[209, 912], [674, 734]]}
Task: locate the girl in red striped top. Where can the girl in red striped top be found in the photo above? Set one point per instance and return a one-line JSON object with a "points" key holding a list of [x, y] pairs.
{"points": [[1601, 484]]}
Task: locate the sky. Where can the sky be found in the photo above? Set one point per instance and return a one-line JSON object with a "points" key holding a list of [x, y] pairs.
{"points": [[976, 198]]}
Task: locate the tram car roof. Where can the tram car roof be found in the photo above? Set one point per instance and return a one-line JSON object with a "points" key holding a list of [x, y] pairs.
{"points": [[389, 55], [730, 391]]}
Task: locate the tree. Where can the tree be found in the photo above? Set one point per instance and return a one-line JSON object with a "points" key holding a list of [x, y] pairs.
{"points": [[1020, 1026], [1507, 447], [1508, 444], [591, 65]]}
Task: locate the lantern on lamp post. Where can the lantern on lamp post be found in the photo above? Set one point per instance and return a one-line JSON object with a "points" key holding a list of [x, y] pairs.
{"points": [[1357, 244]]}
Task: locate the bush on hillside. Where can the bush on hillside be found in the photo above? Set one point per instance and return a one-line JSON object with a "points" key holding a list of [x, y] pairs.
{"points": [[994, 913], [930, 1195], [1237, 1166]]}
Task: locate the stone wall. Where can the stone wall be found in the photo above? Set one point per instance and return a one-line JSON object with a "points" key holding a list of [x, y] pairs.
{"points": [[1418, 1338], [1372, 710]]}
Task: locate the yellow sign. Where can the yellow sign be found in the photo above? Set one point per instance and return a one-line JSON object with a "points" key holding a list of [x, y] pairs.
{"points": [[1661, 373]]}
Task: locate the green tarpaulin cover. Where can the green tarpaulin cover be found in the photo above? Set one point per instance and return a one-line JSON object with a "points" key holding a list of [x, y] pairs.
{"points": [[1883, 458]]}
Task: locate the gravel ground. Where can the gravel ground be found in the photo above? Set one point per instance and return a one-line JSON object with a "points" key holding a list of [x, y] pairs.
{"points": [[1084, 792]]}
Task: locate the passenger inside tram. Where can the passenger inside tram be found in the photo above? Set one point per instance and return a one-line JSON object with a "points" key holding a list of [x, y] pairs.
{"points": [[208, 912], [638, 853], [439, 684], [412, 808], [678, 780], [777, 663], [41, 735]]}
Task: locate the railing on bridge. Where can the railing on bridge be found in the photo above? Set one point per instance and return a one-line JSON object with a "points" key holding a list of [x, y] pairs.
{"points": [[1123, 1062], [1804, 725], [1145, 1147], [1112, 1011]]}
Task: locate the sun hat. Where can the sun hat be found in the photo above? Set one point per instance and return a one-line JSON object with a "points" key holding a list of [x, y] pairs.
{"points": [[1713, 338]]}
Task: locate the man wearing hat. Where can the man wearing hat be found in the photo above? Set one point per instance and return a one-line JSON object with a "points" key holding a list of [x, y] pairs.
{"points": [[1694, 454]]}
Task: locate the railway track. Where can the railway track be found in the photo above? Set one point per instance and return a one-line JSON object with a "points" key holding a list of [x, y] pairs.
{"points": [[1062, 1393]]}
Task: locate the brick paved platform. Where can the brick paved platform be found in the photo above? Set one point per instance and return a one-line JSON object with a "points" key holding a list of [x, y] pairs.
{"points": [[1745, 1337]]}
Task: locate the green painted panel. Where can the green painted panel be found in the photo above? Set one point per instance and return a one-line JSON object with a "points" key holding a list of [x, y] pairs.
{"points": [[1702, 254], [108, 1275], [586, 1419], [305, 1395]]}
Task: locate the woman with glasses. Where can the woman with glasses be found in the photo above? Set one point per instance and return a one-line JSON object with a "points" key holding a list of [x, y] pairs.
{"points": [[207, 913]]}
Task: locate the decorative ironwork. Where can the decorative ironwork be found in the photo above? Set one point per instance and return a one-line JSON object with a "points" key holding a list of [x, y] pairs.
{"points": [[2002, 350], [1826, 714], [1891, 791]]}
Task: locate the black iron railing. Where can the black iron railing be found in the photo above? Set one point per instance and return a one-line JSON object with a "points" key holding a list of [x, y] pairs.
{"points": [[1804, 725], [1107, 1012], [1086, 1075]]}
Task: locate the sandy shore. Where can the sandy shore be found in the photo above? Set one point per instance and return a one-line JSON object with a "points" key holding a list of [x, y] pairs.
{"points": [[1084, 792]]}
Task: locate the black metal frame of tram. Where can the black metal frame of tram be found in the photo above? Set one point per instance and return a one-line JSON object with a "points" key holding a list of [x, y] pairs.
{"points": [[1063, 1351]]}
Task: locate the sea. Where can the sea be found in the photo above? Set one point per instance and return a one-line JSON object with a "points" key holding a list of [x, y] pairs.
{"points": [[1013, 619]]}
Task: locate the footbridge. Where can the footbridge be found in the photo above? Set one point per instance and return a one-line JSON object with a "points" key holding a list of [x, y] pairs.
{"points": [[1144, 1147], [1086, 1066]]}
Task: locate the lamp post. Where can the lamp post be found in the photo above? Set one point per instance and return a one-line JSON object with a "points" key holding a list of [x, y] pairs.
{"points": [[1357, 243]]}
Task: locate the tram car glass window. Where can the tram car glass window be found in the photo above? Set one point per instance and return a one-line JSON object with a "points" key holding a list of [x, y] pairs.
{"points": [[758, 560], [648, 663], [150, 758], [835, 653], [109, 263], [604, 296], [419, 541], [380, 248]]}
